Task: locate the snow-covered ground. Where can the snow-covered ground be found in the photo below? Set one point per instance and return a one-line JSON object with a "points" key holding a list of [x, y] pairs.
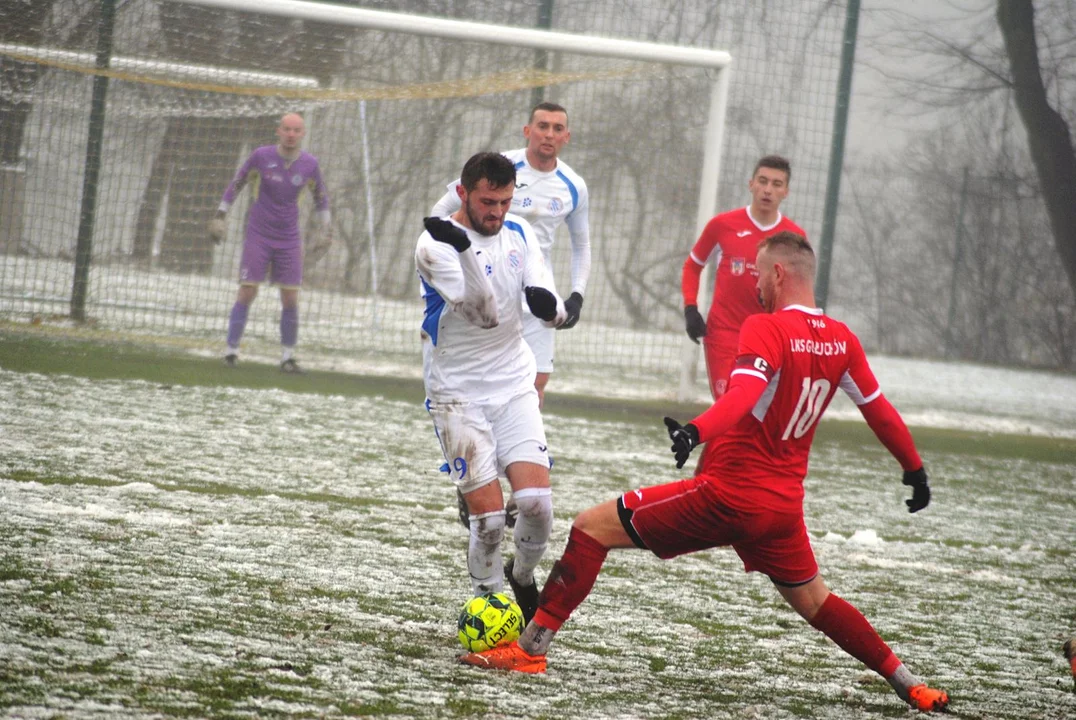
{"points": [[212, 552]]}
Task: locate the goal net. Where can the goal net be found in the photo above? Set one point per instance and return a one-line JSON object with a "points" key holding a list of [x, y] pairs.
{"points": [[393, 104]]}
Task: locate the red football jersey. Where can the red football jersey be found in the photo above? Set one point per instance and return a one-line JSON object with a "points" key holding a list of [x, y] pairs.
{"points": [[735, 235], [803, 357]]}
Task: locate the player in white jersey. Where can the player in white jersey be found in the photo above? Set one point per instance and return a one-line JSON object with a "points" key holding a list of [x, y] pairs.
{"points": [[477, 267], [548, 194]]}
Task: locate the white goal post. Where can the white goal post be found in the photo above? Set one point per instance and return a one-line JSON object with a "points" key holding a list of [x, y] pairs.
{"points": [[716, 60]]}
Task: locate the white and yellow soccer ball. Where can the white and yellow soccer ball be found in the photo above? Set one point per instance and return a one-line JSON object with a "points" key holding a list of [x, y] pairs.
{"points": [[488, 621]]}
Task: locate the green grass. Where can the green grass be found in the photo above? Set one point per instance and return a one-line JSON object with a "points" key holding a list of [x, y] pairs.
{"points": [[95, 356]]}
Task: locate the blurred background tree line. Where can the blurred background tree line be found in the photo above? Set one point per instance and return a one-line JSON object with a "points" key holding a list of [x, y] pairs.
{"points": [[958, 243]]}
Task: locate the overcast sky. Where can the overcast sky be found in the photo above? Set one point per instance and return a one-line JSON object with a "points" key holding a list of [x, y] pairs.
{"points": [[879, 120]]}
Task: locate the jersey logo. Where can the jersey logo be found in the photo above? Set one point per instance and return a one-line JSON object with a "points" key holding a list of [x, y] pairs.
{"points": [[555, 206], [296, 179], [743, 233], [515, 260], [520, 186], [738, 265], [489, 270], [526, 202]]}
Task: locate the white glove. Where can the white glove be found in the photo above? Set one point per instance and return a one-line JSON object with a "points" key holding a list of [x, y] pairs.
{"points": [[320, 241], [217, 229]]}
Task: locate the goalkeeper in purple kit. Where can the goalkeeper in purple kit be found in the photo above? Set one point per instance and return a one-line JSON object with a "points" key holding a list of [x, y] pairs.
{"points": [[273, 247]]}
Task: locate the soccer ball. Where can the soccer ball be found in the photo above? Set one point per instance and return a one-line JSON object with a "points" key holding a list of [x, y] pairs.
{"points": [[489, 620]]}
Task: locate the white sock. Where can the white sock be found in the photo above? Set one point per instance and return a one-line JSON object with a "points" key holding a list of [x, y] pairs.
{"points": [[286, 353], [534, 524], [902, 681], [484, 552]]}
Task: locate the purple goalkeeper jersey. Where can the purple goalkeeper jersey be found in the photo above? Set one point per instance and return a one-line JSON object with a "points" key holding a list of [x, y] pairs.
{"points": [[274, 216]]}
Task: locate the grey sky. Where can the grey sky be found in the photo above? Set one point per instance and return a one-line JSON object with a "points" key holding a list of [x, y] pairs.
{"points": [[880, 120]]}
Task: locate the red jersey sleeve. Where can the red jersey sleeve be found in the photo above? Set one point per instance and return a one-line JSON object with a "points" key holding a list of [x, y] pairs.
{"points": [[696, 260], [858, 382], [690, 279], [883, 419], [759, 338], [756, 363]]}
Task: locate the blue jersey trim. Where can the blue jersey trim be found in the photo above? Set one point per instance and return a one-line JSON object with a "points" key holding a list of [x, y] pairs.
{"points": [[517, 229], [435, 305], [519, 164], [571, 189]]}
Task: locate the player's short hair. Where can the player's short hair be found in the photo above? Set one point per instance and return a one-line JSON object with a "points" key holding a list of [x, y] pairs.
{"points": [[794, 251], [495, 168], [548, 107], [774, 162]]}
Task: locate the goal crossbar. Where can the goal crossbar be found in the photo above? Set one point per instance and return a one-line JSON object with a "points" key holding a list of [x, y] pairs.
{"points": [[549, 40], [479, 32]]}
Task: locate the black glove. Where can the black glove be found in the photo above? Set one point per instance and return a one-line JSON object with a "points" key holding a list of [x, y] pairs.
{"points": [[444, 231], [696, 325], [573, 305], [685, 438], [543, 304], [917, 479]]}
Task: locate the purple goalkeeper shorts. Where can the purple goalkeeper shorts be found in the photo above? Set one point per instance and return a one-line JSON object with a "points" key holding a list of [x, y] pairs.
{"points": [[282, 264]]}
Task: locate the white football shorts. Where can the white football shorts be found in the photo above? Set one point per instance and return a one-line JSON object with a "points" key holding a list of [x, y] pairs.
{"points": [[541, 340], [479, 440]]}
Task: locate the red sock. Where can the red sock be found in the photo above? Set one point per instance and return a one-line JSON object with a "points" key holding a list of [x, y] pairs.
{"points": [[847, 627], [570, 580]]}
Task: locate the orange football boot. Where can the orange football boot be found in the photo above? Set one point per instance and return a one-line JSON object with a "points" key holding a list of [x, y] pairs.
{"points": [[926, 699], [506, 657]]}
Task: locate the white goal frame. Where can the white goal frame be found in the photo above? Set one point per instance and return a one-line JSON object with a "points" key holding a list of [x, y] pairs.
{"points": [[718, 60]]}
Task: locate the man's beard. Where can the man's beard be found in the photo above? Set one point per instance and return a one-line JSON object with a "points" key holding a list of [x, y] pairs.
{"points": [[478, 226]]}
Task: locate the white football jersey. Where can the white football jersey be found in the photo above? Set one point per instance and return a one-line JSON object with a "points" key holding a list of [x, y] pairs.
{"points": [[545, 200], [464, 358]]}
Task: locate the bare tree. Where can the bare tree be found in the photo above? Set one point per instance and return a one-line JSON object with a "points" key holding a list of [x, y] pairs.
{"points": [[925, 276], [1048, 133]]}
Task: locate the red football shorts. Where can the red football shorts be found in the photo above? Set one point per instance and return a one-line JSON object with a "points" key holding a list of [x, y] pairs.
{"points": [[690, 515], [719, 348]]}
